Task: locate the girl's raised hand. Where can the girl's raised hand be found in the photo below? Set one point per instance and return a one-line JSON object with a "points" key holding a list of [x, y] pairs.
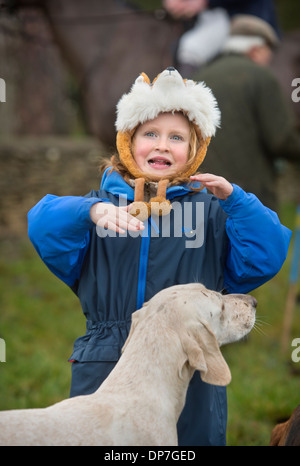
{"points": [[218, 185], [114, 218]]}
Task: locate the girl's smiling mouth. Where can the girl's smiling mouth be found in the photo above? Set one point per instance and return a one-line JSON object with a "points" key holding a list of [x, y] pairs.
{"points": [[159, 162]]}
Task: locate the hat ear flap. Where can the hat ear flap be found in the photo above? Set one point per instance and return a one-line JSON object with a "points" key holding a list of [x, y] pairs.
{"points": [[124, 149], [139, 208], [159, 204], [200, 156], [198, 159]]}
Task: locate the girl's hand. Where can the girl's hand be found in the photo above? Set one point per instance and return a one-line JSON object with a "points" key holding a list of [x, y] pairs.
{"points": [[218, 185], [114, 218]]}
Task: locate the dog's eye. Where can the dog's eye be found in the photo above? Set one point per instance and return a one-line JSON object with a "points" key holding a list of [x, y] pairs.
{"points": [[223, 307]]}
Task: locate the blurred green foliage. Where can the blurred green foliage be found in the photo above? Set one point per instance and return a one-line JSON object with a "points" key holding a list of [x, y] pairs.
{"points": [[288, 14]]}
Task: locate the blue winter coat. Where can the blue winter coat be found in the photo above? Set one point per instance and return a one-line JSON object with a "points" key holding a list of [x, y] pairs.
{"points": [[237, 245]]}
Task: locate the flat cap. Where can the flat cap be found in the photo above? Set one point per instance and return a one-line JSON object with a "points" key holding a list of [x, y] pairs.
{"points": [[250, 25]]}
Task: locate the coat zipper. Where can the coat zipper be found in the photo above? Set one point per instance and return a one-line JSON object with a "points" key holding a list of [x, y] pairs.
{"points": [[143, 263]]}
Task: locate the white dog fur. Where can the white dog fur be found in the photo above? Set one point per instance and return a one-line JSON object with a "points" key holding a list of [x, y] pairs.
{"points": [[179, 330]]}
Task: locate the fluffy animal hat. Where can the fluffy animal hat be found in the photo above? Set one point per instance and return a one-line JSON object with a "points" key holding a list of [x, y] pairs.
{"points": [[168, 92]]}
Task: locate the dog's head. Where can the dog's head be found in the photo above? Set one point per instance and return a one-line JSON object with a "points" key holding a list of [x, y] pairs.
{"points": [[203, 320]]}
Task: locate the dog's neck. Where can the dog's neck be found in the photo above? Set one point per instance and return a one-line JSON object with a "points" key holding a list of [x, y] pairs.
{"points": [[147, 366]]}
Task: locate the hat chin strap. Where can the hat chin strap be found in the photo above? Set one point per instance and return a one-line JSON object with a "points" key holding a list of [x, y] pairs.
{"points": [[158, 205]]}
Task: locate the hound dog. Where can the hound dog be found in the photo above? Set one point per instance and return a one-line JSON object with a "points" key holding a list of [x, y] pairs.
{"points": [[178, 331]]}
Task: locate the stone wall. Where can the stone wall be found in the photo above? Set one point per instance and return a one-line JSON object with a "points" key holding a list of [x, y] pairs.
{"points": [[33, 167]]}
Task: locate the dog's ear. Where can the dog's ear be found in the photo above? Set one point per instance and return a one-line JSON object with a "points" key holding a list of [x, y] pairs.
{"points": [[203, 354]]}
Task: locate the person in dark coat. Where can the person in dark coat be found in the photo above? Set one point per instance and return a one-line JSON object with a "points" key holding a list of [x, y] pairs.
{"points": [[207, 26], [114, 261], [258, 127]]}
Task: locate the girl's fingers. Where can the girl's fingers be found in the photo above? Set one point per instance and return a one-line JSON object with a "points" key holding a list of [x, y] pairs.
{"points": [[218, 185], [132, 222], [112, 226], [118, 219], [205, 177]]}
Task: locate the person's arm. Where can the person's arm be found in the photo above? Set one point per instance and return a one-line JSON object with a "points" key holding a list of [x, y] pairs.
{"points": [[59, 228], [258, 242]]}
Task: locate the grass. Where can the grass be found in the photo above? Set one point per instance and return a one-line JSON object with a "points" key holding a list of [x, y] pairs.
{"points": [[265, 383], [41, 317]]}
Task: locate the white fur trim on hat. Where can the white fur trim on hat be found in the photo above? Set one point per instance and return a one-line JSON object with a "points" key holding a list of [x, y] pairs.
{"points": [[168, 93]]}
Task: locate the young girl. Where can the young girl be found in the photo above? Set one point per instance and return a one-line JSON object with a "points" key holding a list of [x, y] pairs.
{"points": [[119, 246]]}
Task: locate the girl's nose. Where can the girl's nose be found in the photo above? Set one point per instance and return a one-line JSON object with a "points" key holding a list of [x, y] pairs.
{"points": [[162, 145]]}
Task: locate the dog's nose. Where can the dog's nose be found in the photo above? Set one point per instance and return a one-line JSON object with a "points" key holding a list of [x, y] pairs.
{"points": [[248, 298], [253, 301]]}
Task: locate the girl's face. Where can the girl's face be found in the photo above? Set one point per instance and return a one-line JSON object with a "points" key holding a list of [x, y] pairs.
{"points": [[161, 145]]}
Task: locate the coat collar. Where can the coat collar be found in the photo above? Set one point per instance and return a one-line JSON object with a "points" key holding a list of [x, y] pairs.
{"points": [[113, 183]]}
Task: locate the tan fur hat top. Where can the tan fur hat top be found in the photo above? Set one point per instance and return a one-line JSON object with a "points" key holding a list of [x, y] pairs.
{"points": [[168, 92]]}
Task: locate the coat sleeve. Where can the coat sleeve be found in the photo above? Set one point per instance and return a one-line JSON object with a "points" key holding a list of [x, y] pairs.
{"points": [[59, 228], [258, 242]]}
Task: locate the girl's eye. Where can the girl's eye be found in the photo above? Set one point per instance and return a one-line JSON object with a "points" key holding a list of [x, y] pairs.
{"points": [[150, 134], [176, 137]]}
